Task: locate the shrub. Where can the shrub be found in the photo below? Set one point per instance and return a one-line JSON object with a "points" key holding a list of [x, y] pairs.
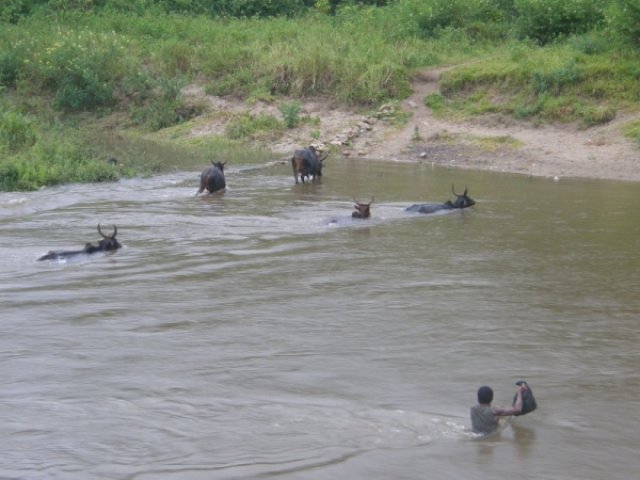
{"points": [[14, 52], [375, 83], [592, 116], [164, 106], [81, 68], [435, 102], [632, 130], [553, 81], [624, 20], [291, 113], [528, 110], [82, 90], [12, 10], [261, 126], [590, 44], [546, 20], [479, 18], [52, 162], [175, 57], [16, 132]]}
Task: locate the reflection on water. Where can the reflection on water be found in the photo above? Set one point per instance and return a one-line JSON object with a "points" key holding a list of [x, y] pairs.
{"points": [[244, 335]]}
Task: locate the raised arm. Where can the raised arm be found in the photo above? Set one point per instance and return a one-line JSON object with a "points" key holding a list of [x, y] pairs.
{"points": [[517, 406]]}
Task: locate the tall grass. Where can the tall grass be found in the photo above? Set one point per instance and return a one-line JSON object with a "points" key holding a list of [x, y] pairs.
{"points": [[96, 61], [558, 82], [575, 62], [51, 162]]}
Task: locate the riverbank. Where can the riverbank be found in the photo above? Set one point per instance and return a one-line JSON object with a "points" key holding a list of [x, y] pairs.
{"points": [[503, 144], [491, 142]]}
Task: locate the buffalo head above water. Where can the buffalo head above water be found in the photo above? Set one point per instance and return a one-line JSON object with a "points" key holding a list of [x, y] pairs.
{"points": [[462, 201], [108, 243], [363, 210]]}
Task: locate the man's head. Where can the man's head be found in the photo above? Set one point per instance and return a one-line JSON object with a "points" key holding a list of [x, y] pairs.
{"points": [[485, 395]]}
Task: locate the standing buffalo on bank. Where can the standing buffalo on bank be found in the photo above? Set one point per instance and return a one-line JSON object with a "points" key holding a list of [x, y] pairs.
{"points": [[212, 178], [461, 201], [307, 163], [107, 244], [363, 210]]}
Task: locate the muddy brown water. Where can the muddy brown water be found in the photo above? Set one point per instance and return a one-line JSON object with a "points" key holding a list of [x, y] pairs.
{"points": [[242, 336]]}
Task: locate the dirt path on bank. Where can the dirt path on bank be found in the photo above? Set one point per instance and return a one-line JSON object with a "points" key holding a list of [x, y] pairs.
{"points": [[563, 151]]}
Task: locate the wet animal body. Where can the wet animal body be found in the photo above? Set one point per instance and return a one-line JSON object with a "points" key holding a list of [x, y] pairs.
{"points": [[306, 164], [108, 243], [461, 201], [363, 210], [212, 178]]}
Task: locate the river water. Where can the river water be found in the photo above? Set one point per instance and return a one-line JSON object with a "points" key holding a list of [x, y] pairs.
{"points": [[245, 336]]}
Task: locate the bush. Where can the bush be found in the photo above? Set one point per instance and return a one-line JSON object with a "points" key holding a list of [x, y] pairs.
{"points": [[592, 116], [261, 126], [164, 106], [81, 69], [233, 8], [52, 162], [478, 18], [435, 102], [375, 83], [291, 113], [546, 20], [591, 43], [553, 81], [528, 110], [79, 91], [632, 130], [624, 20], [16, 132], [12, 10], [13, 54]]}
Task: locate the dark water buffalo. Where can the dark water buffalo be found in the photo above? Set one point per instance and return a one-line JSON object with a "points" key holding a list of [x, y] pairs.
{"points": [[107, 244], [363, 210], [461, 201], [212, 178], [306, 163]]}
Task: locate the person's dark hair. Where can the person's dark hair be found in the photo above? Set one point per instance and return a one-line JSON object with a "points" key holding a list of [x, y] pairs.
{"points": [[485, 395]]}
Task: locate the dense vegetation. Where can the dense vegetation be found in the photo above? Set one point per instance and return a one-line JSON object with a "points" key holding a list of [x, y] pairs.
{"points": [[69, 68]]}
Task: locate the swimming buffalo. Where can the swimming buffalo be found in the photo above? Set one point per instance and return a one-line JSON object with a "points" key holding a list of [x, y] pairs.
{"points": [[108, 243], [363, 210], [461, 201], [306, 163], [212, 178]]}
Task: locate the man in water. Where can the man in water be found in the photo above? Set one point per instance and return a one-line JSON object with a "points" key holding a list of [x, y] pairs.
{"points": [[484, 417]]}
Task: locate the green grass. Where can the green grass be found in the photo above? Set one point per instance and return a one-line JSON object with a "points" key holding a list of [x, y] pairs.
{"points": [[96, 65], [492, 144], [553, 83], [632, 130], [54, 162]]}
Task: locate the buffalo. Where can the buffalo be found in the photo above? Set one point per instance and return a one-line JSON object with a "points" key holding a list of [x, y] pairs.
{"points": [[306, 163], [212, 178], [107, 244], [461, 201], [363, 210]]}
